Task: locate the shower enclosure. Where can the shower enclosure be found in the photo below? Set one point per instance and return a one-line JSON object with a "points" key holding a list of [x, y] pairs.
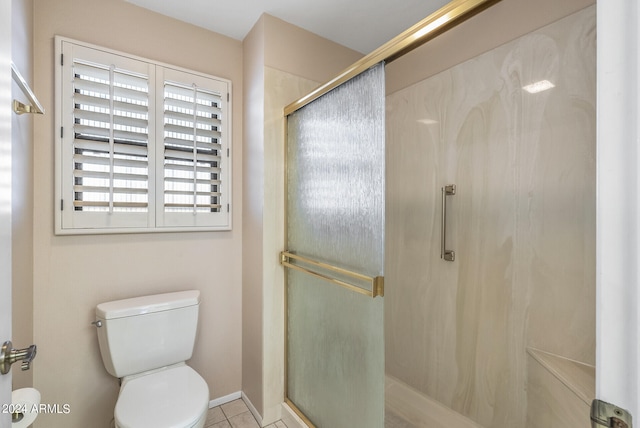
{"points": [[336, 216], [514, 129], [475, 295]]}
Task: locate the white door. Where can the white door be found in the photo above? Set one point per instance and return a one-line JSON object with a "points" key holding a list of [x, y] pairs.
{"points": [[5, 197], [618, 206]]}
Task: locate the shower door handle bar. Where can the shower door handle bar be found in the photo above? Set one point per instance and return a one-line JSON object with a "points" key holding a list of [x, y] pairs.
{"points": [[376, 283], [448, 255]]}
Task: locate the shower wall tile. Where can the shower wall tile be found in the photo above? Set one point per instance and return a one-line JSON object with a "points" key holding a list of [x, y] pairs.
{"points": [[551, 403], [522, 222]]}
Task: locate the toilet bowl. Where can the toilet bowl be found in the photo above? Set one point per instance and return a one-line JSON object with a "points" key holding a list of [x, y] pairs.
{"points": [[173, 397], [145, 342]]}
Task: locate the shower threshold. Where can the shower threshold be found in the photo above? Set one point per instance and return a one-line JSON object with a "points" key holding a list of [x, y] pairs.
{"points": [[406, 407]]}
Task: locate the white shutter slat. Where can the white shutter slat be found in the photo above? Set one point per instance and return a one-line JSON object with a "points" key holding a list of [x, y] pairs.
{"points": [[87, 70], [105, 190], [181, 154], [79, 173], [85, 102], [117, 119], [87, 132], [181, 90], [188, 117], [184, 192], [116, 204], [96, 160], [175, 205], [102, 90], [168, 142], [101, 72], [91, 88], [176, 167], [104, 147], [177, 105], [191, 180], [187, 132]]}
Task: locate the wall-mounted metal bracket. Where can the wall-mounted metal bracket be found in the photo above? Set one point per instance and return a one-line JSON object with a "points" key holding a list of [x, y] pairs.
{"points": [[604, 414]]}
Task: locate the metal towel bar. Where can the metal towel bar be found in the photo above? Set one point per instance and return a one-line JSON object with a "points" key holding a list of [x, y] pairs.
{"points": [[376, 283], [18, 107]]}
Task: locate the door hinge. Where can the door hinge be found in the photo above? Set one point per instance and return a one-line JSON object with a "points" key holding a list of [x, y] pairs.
{"points": [[61, 204], [604, 414], [61, 59], [228, 208], [227, 96], [62, 132], [227, 152]]}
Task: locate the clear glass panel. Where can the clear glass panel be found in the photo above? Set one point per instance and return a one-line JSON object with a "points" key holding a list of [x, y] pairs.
{"points": [[336, 215]]}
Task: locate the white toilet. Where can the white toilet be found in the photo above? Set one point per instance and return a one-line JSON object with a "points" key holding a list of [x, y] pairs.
{"points": [[145, 341]]}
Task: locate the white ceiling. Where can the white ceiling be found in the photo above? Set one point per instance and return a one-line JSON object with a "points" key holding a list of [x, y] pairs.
{"points": [[362, 25]]}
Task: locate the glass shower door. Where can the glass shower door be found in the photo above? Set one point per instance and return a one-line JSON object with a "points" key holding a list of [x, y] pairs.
{"points": [[335, 257]]}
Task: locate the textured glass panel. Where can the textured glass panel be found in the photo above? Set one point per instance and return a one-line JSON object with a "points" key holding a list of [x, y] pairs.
{"points": [[336, 174], [336, 214]]}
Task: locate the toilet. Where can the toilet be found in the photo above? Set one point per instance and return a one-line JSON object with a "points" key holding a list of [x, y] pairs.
{"points": [[145, 342]]}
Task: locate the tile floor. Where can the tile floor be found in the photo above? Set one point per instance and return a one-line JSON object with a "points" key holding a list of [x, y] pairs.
{"points": [[234, 414]]}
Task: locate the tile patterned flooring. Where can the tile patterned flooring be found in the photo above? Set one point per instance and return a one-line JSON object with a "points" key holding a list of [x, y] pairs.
{"points": [[234, 414]]}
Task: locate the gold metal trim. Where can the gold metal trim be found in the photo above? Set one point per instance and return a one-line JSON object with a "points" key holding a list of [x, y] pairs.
{"points": [[377, 283], [299, 412], [438, 22], [285, 160]]}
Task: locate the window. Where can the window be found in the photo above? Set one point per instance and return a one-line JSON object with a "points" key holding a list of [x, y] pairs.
{"points": [[143, 146]]}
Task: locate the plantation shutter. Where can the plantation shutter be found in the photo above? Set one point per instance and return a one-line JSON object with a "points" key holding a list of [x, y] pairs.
{"points": [[194, 150], [107, 129], [111, 120], [143, 146]]}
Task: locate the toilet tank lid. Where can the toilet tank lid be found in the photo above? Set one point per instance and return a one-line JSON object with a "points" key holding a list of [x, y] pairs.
{"points": [[147, 304]]}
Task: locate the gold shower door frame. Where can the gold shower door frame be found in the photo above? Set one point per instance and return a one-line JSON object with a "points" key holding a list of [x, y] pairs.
{"points": [[444, 19]]}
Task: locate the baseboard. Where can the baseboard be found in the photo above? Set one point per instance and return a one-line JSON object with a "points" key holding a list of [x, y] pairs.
{"points": [[252, 408], [291, 419], [224, 400]]}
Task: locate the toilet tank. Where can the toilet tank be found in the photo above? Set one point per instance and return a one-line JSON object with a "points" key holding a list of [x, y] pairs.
{"points": [[149, 332]]}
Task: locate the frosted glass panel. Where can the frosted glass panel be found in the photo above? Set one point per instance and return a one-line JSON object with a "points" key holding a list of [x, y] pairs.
{"points": [[336, 175], [336, 215]]}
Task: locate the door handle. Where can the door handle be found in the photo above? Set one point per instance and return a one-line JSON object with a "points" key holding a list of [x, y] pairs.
{"points": [[8, 356], [448, 255]]}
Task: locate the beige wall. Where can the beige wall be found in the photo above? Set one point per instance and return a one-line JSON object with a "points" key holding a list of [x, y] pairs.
{"points": [[522, 222], [72, 274], [282, 63], [252, 219], [22, 189]]}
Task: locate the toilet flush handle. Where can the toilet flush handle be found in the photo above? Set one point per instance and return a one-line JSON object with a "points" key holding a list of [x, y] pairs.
{"points": [[97, 323]]}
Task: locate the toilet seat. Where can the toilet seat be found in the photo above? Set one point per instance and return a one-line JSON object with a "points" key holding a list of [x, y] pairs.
{"points": [[175, 397]]}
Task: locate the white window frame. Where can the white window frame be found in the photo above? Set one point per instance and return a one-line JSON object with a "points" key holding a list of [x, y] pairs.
{"points": [[70, 221]]}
